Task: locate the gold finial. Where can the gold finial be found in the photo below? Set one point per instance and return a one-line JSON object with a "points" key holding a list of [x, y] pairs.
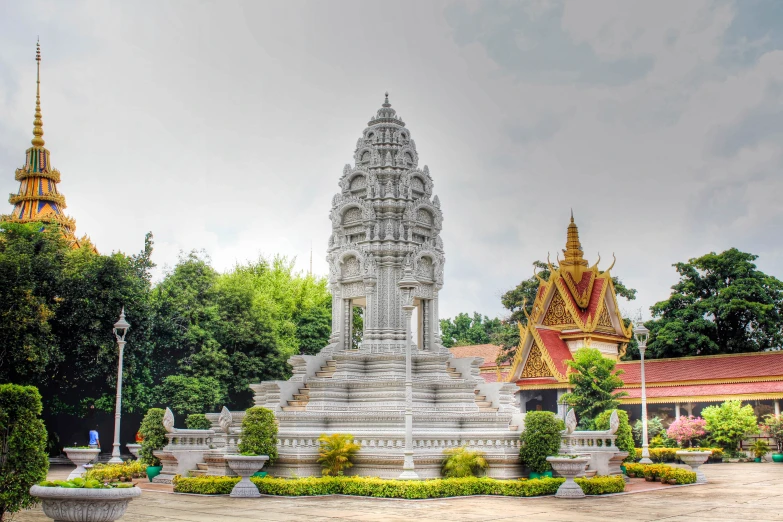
{"points": [[574, 260], [38, 140]]}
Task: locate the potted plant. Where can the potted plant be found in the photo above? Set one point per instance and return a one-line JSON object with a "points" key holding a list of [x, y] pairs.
{"points": [[154, 438], [336, 452], [773, 427], [539, 440], [694, 459], [81, 455], [79, 500], [257, 446], [759, 449], [568, 467]]}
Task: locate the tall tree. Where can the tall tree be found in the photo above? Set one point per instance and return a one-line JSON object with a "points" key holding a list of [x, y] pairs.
{"points": [[722, 304], [594, 380], [465, 330]]}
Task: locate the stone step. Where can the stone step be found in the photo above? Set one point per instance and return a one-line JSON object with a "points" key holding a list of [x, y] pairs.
{"points": [[298, 403], [294, 408], [480, 404], [333, 364], [301, 397], [513, 427], [202, 465], [324, 374], [480, 398], [197, 472], [482, 409]]}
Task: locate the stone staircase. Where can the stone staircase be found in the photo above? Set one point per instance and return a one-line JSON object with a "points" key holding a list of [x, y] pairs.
{"points": [[328, 370], [200, 472], [300, 400], [482, 402], [453, 373]]}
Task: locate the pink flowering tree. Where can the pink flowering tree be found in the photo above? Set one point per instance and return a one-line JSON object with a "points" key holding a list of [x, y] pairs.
{"points": [[685, 429]]}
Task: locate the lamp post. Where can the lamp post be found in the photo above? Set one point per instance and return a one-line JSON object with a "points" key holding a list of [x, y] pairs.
{"points": [[120, 329], [642, 334], [408, 284]]}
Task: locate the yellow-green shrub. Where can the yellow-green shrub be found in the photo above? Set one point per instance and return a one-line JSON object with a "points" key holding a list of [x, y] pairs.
{"points": [[387, 488], [114, 472], [678, 476]]}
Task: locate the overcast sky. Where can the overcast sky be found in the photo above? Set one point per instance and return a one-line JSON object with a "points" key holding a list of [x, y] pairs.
{"points": [[225, 126]]}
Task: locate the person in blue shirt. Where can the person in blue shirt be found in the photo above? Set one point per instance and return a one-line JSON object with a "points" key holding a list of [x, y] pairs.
{"points": [[95, 441]]}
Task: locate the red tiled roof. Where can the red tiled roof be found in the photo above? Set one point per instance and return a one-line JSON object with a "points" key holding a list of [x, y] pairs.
{"points": [[493, 376], [489, 352], [557, 348], [705, 390], [740, 366]]}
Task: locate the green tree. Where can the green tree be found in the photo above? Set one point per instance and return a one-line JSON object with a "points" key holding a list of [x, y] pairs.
{"points": [[594, 379], [519, 301], [540, 439], [336, 452], [154, 435], [259, 433], [190, 394], [197, 421], [23, 459], [465, 330], [462, 462], [722, 304], [730, 422]]}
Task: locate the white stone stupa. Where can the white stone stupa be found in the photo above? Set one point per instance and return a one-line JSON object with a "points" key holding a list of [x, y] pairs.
{"points": [[386, 227]]}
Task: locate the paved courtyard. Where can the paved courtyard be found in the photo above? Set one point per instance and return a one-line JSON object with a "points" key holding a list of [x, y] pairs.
{"points": [[736, 492]]}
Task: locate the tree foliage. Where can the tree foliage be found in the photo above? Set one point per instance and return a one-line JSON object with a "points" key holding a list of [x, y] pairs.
{"points": [[465, 330], [23, 459], [654, 428], [594, 379], [730, 422], [197, 421], [722, 304], [154, 436], [685, 429], [463, 462], [259, 433], [540, 439], [624, 432]]}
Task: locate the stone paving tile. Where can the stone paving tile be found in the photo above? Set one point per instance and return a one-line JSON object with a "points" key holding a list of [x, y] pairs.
{"points": [[736, 492]]}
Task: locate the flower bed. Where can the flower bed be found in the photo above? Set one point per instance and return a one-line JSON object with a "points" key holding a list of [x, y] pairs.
{"points": [[385, 488], [124, 472], [662, 472]]}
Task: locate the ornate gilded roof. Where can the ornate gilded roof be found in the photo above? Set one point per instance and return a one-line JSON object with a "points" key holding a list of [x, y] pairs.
{"points": [[575, 306], [39, 199]]}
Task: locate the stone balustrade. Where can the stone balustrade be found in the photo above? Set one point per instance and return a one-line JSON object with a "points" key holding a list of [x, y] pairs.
{"points": [[606, 457], [375, 442]]}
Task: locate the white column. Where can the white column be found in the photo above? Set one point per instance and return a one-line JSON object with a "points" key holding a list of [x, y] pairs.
{"points": [[677, 410], [645, 446], [115, 452], [408, 466], [777, 407]]}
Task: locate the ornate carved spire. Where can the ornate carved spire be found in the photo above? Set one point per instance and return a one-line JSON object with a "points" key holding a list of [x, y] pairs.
{"points": [[574, 261], [38, 140]]}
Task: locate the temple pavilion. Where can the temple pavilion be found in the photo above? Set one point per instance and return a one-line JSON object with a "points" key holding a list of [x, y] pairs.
{"points": [[38, 199], [577, 306]]}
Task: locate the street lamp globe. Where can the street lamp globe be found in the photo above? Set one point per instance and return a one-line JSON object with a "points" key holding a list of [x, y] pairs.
{"points": [[641, 333], [121, 326]]}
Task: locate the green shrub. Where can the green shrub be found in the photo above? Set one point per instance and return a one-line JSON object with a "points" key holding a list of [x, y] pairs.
{"points": [[335, 452], [730, 422], [126, 471], [259, 434], [23, 459], [154, 436], [654, 427], [677, 476], [387, 488], [81, 483], [670, 454], [462, 462], [602, 485], [624, 433], [197, 421], [540, 439]]}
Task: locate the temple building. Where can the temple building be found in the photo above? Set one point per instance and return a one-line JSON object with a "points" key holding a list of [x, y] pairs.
{"points": [[38, 199], [386, 257], [577, 306]]}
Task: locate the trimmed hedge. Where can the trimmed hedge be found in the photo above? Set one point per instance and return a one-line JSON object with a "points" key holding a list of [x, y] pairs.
{"points": [[678, 476], [126, 471], [386, 488], [661, 472], [197, 421], [670, 454]]}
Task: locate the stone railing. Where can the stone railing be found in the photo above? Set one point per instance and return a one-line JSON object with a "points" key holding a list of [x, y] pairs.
{"points": [[184, 451], [606, 457], [375, 442]]}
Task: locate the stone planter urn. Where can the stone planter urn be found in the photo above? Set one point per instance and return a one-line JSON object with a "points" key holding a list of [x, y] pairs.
{"points": [[80, 457], [245, 466], [84, 505], [569, 468], [694, 459], [134, 449]]}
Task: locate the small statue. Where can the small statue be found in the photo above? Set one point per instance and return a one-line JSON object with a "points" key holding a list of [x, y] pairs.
{"points": [[570, 421], [168, 421], [225, 419]]}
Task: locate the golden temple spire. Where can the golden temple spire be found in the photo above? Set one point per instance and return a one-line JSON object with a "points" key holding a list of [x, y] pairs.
{"points": [[38, 140], [574, 260]]}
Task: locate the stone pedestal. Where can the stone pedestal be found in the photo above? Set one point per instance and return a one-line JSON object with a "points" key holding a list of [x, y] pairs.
{"points": [[695, 459], [134, 449], [81, 457], [569, 468], [245, 467]]}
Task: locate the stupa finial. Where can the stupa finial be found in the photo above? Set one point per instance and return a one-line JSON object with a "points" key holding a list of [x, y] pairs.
{"points": [[38, 140], [573, 250], [386, 100]]}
